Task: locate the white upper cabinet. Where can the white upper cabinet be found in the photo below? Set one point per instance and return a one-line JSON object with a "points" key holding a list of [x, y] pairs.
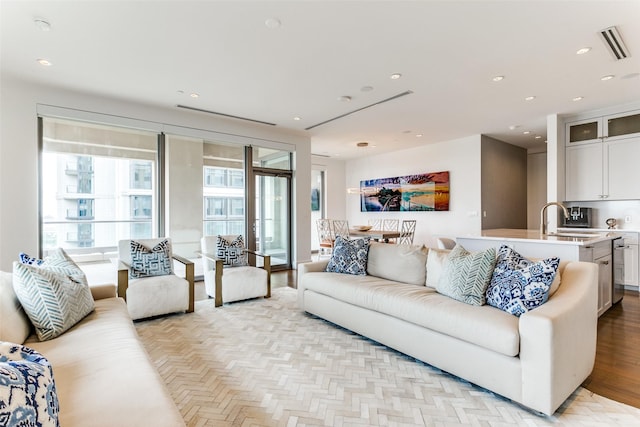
{"points": [[602, 156]]}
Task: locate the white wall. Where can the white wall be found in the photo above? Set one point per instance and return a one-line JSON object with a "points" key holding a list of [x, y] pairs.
{"points": [[19, 152], [334, 200], [461, 157]]}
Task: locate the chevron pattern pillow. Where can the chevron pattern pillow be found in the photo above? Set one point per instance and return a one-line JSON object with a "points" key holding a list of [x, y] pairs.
{"points": [[55, 295], [466, 275], [519, 285], [29, 396], [147, 262], [231, 252], [349, 256]]}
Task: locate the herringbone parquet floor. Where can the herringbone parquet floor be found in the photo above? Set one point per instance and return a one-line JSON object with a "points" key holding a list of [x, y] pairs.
{"points": [[265, 363]]}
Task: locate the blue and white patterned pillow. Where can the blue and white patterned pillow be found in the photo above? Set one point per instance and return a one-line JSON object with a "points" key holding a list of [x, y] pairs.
{"points": [[27, 389], [29, 260], [349, 256], [231, 252], [147, 262], [519, 285]]}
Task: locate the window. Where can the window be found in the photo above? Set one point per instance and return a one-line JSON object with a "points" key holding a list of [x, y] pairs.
{"points": [[214, 177], [214, 207], [140, 175], [97, 185]]}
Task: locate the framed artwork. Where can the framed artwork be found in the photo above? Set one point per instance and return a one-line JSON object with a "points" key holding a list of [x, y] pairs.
{"points": [[423, 192], [315, 199]]}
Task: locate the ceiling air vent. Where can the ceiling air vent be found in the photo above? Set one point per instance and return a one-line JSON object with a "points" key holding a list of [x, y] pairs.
{"points": [[613, 41]]}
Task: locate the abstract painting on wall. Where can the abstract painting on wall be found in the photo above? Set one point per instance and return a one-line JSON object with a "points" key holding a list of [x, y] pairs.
{"points": [[423, 192]]}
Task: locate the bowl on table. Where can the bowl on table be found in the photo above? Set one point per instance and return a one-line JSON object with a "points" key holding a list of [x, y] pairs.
{"points": [[362, 227]]}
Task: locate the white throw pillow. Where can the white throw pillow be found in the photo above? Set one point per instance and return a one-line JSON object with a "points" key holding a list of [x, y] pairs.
{"points": [[436, 260]]}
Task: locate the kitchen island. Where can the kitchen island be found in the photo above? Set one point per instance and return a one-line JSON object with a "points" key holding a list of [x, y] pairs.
{"points": [[593, 247]]}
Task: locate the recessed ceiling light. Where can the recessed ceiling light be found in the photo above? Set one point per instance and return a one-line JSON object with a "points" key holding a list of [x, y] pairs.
{"points": [[530, 98], [578, 98], [344, 98], [42, 24], [194, 95], [526, 132], [514, 127], [498, 78], [296, 118], [605, 78], [419, 135], [395, 76], [272, 23], [538, 137], [583, 50], [44, 62]]}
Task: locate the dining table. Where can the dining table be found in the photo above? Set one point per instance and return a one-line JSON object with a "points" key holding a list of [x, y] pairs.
{"points": [[380, 235]]}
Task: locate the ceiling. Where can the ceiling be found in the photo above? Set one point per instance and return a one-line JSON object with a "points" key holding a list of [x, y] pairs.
{"points": [[273, 61]]}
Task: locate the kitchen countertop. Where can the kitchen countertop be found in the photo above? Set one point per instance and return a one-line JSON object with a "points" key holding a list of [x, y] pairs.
{"points": [[580, 238]]}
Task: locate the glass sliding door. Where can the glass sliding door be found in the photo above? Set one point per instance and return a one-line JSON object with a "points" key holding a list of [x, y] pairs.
{"points": [[270, 210]]}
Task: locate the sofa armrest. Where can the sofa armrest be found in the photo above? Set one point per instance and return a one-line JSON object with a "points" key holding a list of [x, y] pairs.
{"points": [[103, 291], [304, 268], [558, 339]]}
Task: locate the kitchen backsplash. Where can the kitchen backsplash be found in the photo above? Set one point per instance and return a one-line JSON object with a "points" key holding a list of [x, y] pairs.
{"points": [[612, 209]]}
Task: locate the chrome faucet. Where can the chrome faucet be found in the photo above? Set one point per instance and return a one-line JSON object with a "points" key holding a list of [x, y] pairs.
{"points": [[543, 225]]}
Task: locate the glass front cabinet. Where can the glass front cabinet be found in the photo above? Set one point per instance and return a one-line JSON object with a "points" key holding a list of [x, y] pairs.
{"points": [[601, 157]]}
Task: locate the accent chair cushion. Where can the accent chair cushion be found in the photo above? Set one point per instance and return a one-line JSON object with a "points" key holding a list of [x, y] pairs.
{"points": [[28, 394], [148, 262], [230, 249], [519, 285], [467, 274], [349, 256], [55, 295]]}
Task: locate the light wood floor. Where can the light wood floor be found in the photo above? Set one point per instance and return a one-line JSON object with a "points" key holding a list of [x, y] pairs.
{"points": [[616, 374]]}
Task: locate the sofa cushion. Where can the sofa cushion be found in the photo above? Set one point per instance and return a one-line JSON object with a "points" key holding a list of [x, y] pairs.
{"points": [[147, 262], [349, 256], [103, 375], [53, 301], [401, 263], [436, 260], [14, 323], [519, 285], [28, 394], [485, 326], [466, 275]]}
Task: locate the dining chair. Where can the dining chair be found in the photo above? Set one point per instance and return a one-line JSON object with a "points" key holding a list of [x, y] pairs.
{"points": [[325, 236], [341, 228], [407, 230], [390, 225], [376, 224]]}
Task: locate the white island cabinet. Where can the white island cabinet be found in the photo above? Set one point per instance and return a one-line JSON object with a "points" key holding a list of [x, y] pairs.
{"points": [[585, 246]]}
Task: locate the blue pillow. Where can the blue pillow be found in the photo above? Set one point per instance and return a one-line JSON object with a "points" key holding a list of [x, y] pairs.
{"points": [[29, 395], [519, 285], [29, 260], [349, 256]]}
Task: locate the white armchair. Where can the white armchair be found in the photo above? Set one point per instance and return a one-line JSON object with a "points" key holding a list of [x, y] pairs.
{"points": [[146, 281], [227, 277]]}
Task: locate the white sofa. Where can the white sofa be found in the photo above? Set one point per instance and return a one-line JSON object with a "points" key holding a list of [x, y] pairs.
{"points": [[537, 359], [103, 375]]}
